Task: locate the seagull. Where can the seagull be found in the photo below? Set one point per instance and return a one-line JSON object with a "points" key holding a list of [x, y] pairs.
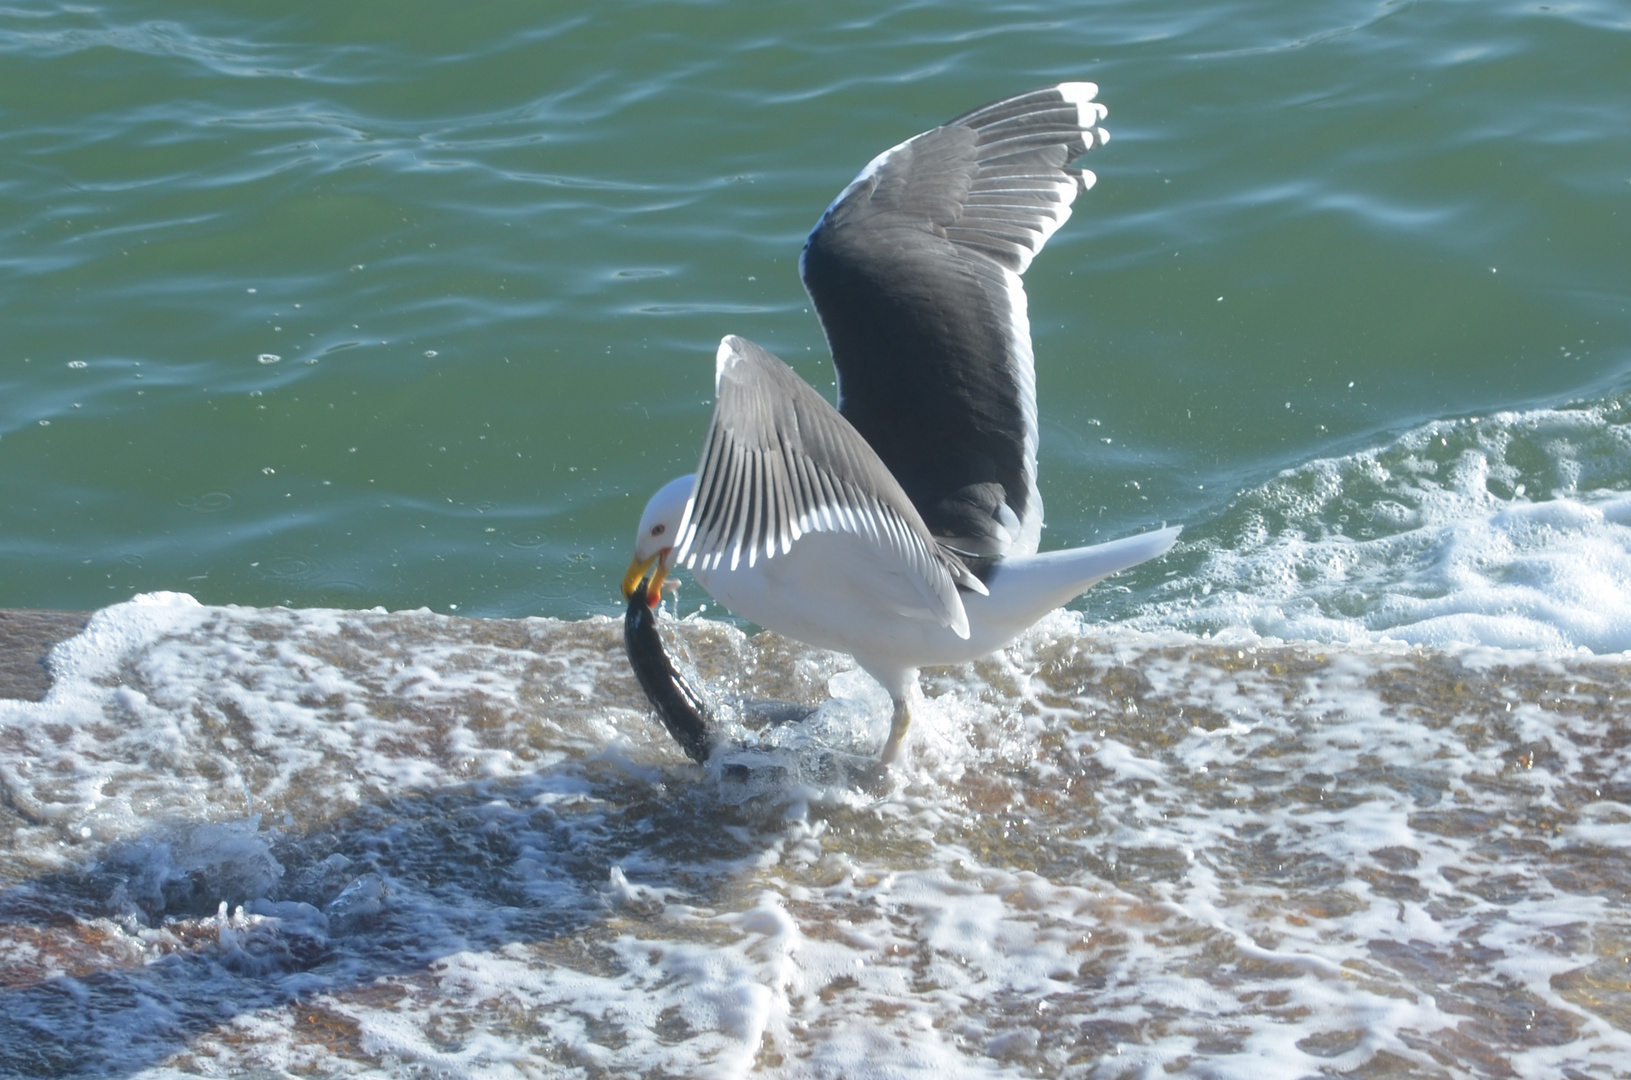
{"points": [[902, 526]]}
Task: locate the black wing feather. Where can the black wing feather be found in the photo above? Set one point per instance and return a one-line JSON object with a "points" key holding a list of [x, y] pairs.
{"points": [[914, 274]]}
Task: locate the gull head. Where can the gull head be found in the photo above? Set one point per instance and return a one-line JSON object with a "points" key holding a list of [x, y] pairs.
{"points": [[654, 540]]}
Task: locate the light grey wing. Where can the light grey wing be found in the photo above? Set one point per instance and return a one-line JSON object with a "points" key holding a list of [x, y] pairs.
{"points": [[779, 462], [915, 273]]}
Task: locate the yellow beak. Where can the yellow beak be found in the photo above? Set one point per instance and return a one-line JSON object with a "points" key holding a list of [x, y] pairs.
{"points": [[637, 570]]}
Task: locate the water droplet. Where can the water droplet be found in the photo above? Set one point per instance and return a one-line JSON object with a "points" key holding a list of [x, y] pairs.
{"points": [[268, 358], [269, 471], [76, 364]]}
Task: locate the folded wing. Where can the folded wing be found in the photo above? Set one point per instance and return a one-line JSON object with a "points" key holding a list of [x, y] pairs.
{"points": [[779, 462]]}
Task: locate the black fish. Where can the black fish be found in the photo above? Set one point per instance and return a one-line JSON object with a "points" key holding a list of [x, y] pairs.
{"points": [[685, 710]]}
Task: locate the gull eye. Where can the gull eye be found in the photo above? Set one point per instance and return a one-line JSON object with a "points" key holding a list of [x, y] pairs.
{"points": [[658, 529]]}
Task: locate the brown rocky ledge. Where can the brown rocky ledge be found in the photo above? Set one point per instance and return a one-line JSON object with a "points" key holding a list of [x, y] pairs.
{"points": [[26, 637]]}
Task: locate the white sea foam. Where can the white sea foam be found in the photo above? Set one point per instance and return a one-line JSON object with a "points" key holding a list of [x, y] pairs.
{"points": [[1512, 530], [374, 844], [370, 844]]}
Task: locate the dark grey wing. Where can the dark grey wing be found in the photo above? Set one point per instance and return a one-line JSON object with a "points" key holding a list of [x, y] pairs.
{"points": [[915, 273], [779, 462]]}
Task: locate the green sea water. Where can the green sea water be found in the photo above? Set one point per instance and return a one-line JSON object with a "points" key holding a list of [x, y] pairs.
{"points": [[364, 303]]}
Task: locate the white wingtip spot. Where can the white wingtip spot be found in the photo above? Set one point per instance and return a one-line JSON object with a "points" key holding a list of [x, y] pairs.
{"points": [[1081, 95], [724, 358], [1101, 135], [1089, 178]]}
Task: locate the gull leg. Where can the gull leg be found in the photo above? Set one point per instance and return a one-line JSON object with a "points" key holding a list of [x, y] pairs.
{"points": [[898, 724]]}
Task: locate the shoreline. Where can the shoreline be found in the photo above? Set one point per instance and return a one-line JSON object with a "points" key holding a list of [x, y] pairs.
{"points": [[27, 636]]}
